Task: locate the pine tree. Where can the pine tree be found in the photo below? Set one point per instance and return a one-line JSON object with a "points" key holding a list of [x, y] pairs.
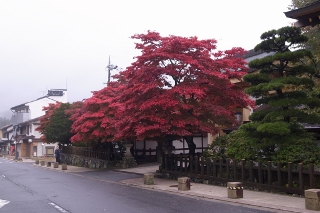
{"points": [[283, 84]]}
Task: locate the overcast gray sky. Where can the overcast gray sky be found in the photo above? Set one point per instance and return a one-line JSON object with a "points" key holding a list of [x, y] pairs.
{"points": [[58, 44]]}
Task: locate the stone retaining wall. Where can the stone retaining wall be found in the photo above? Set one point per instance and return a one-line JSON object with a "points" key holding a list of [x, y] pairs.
{"points": [[81, 161]]}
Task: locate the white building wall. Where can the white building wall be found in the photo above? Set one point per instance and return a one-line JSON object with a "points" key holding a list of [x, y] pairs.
{"points": [[33, 132], [42, 148], [36, 110], [36, 107]]}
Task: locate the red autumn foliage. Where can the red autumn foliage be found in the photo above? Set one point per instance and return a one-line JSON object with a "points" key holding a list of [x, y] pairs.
{"points": [[75, 110], [92, 121], [177, 87], [45, 119]]}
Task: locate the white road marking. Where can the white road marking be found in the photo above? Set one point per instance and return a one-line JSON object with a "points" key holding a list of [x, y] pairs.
{"points": [[60, 209], [3, 202], [3, 176]]}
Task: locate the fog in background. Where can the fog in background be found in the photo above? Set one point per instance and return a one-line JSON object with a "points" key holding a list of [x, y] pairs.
{"points": [[58, 44]]}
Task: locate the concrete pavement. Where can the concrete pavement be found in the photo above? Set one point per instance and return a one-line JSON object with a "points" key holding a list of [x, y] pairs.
{"points": [[276, 202]]}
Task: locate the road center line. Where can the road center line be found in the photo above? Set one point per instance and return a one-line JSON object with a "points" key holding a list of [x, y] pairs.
{"points": [[60, 209]]}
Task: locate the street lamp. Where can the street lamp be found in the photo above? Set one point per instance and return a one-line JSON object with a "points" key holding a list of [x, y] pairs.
{"points": [[109, 68]]}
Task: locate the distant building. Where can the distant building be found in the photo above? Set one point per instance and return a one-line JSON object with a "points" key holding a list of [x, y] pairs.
{"points": [[21, 133]]}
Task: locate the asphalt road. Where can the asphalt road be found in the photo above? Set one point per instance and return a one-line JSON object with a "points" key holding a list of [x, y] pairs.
{"points": [[25, 188]]}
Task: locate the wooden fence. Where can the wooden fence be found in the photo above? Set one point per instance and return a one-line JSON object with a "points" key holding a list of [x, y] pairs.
{"points": [[87, 152], [145, 155], [141, 155], [275, 177]]}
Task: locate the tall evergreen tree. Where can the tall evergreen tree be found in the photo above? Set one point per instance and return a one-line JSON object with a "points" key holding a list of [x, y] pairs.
{"points": [[283, 84]]}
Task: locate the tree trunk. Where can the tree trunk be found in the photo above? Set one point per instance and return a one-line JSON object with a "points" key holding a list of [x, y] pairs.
{"points": [[160, 151], [191, 145]]}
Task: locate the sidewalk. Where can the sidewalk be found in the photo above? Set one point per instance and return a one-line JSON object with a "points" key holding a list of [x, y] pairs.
{"points": [[73, 169], [251, 198], [276, 202]]}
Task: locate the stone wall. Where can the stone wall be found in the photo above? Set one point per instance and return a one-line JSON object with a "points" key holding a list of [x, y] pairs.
{"points": [[81, 161]]}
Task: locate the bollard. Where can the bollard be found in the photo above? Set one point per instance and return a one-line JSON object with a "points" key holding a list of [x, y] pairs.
{"points": [[148, 179], [64, 166], [37, 161], [312, 199], [235, 190], [48, 164], [184, 183], [42, 163], [56, 165]]}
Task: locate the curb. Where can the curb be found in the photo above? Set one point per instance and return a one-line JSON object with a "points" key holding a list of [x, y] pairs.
{"points": [[212, 197]]}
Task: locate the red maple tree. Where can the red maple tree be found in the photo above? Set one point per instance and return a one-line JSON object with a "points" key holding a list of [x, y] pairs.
{"points": [[92, 122], [178, 87]]}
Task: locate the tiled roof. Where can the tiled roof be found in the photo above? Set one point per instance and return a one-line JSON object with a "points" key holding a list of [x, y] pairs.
{"points": [[251, 53]]}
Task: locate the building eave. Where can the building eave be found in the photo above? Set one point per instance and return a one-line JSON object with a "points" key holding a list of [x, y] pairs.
{"points": [[306, 16]]}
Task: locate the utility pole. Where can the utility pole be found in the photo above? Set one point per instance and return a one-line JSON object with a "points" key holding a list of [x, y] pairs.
{"points": [[17, 138], [109, 68]]}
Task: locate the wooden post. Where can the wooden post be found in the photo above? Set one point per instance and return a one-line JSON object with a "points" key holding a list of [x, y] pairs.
{"points": [[186, 163], [214, 167], [191, 163], [176, 162], [220, 168], [269, 173], [301, 182], [228, 169], [196, 161], [208, 164], [243, 169], [164, 161], [290, 185], [235, 169], [251, 171], [260, 173], [279, 174], [181, 163], [311, 169], [202, 165]]}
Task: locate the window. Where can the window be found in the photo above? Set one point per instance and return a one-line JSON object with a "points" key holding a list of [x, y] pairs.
{"points": [[238, 116]]}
